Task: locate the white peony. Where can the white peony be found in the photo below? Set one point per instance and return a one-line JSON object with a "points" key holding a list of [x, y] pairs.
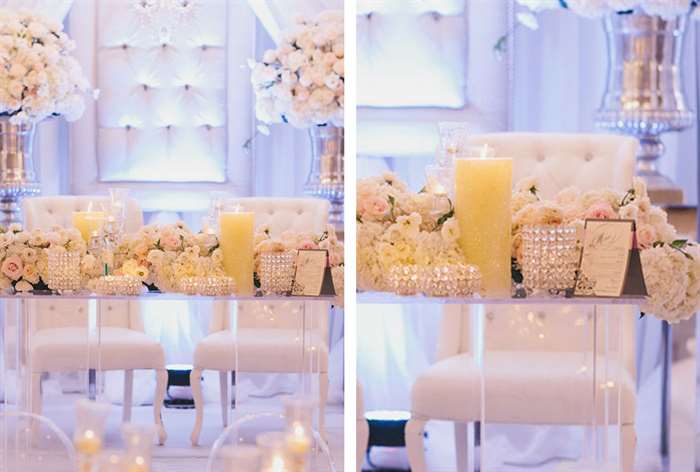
{"points": [[666, 273]]}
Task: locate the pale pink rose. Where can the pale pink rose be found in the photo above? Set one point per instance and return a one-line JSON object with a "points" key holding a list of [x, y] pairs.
{"points": [[376, 207], [308, 245], [646, 236], [600, 210], [12, 267], [170, 241]]}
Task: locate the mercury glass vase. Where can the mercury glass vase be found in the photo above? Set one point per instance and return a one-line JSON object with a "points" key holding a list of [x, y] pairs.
{"points": [[326, 175], [549, 258], [644, 95], [18, 175]]}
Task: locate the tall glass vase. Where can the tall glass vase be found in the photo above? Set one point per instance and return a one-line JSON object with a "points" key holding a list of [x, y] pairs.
{"points": [[326, 175], [18, 176], [644, 94]]}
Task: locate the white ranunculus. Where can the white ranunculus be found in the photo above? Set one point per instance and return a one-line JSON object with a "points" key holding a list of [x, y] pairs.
{"points": [[588, 8], [538, 5]]}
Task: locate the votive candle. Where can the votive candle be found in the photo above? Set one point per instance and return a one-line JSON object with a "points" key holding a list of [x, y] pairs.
{"points": [[87, 222]]}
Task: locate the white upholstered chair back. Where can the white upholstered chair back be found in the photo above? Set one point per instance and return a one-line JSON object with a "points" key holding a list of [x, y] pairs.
{"points": [[587, 161], [45, 212], [280, 214], [287, 214]]}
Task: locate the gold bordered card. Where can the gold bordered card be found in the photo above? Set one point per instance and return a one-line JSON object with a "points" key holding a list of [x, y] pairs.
{"points": [[610, 265], [312, 274]]}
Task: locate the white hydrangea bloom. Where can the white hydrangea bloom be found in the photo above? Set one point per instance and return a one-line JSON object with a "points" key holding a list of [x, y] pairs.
{"points": [[666, 8]]}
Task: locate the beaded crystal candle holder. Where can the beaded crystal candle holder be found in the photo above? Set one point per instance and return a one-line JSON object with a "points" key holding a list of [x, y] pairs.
{"points": [[64, 270], [118, 285], [277, 272], [403, 279], [450, 280], [208, 286], [549, 257]]}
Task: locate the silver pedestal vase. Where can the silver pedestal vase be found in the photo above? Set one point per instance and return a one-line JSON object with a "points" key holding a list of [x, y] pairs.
{"points": [[326, 175], [18, 176], [644, 92]]}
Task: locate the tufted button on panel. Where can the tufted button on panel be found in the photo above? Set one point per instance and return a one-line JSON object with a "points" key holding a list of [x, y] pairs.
{"points": [[164, 45], [540, 157], [51, 308], [208, 127], [204, 47], [128, 127], [490, 316], [145, 87], [436, 16], [168, 127], [80, 310], [125, 46], [588, 157], [109, 308], [187, 86]]}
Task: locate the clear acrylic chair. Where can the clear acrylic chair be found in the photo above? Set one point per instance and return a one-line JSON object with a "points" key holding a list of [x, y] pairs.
{"points": [[33, 443]]}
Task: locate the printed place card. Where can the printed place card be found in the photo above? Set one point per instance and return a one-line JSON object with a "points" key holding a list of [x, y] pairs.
{"points": [[311, 271], [605, 259]]}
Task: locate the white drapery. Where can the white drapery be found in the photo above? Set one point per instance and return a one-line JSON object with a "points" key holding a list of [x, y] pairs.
{"points": [[54, 9]]}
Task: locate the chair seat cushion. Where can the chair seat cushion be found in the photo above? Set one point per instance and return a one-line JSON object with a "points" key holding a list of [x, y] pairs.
{"points": [[521, 387], [66, 349], [260, 350]]}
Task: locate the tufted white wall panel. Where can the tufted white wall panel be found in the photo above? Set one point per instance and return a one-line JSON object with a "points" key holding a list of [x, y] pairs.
{"points": [[162, 105], [172, 118], [442, 51]]}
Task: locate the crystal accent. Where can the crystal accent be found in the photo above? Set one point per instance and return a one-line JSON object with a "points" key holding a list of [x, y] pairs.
{"points": [[450, 280], [277, 271], [64, 270], [208, 286], [118, 285], [403, 279], [550, 257]]}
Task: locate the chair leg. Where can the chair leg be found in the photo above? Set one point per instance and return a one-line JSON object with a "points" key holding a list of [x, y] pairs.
{"points": [[128, 395], [362, 429], [322, 399], [225, 402], [628, 446], [161, 387], [414, 444], [196, 384], [461, 441]]}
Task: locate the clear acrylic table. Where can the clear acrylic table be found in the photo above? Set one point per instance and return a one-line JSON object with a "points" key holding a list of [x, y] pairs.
{"points": [[29, 322], [542, 361]]}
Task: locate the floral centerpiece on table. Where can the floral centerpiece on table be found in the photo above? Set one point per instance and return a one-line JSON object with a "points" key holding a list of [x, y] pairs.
{"points": [[671, 265], [396, 226], [597, 8], [38, 76], [302, 81], [24, 259], [161, 255]]}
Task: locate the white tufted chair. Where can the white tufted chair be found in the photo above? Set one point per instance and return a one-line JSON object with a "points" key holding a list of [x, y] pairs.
{"points": [[362, 428], [267, 333], [528, 379], [59, 339]]}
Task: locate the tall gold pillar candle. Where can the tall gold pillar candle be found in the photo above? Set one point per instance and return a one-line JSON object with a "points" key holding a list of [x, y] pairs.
{"points": [[482, 206], [237, 229]]}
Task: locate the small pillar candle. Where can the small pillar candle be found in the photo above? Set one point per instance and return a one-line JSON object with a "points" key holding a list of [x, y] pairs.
{"points": [[237, 246], [482, 207], [87, 222]]}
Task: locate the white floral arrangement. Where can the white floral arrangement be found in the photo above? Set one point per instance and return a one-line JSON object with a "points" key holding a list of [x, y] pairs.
{"points": [[671, 265], [396, 226], [597, 8], [302, 81], [296, 240], [38, 76], [24, 259], [161, 255]]}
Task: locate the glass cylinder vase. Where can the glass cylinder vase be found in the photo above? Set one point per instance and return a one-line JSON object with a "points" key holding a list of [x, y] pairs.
{"points": [[549, 257]]}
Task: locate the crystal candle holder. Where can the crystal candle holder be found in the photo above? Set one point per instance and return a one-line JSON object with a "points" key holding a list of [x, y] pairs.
{"points": [[450, 280], [118, 285], [64, 270], [277, 271], [138, 440], [213, 286], [403, 279], [89, 431], [273, 452], [549, 257]]}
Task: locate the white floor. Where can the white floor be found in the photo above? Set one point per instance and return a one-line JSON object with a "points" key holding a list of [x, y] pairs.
{"points": [[178, 454]]}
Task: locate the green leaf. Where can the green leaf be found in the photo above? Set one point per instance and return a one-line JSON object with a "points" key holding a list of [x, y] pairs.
{"points": [[628, 198], [441, 221], [515, 271], [679, 243]]}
